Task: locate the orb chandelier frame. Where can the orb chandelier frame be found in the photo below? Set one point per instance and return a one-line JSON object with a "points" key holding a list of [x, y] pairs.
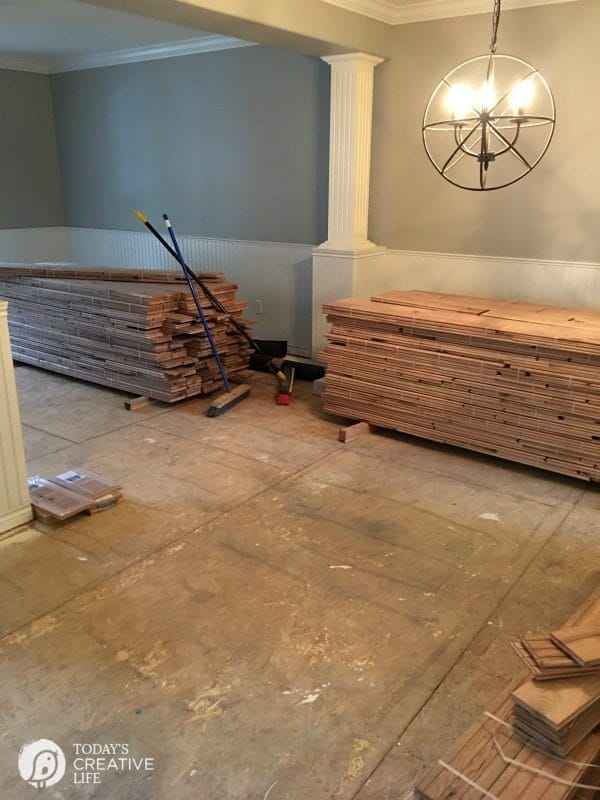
{"points": [[501, 110]]}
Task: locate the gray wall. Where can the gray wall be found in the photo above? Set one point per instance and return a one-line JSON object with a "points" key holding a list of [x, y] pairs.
{"points": [[29, 177], [233, 144], [552, 213]]}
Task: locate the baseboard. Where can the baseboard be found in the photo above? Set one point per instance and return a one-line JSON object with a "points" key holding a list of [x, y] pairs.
{"points": [[15, 518]]}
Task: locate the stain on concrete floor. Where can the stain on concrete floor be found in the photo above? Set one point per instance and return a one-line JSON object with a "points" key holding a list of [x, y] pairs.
{"points": [[270, 611]]}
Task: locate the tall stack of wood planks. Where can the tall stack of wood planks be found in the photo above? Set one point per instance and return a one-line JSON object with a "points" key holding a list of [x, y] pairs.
{"points": [[516, 380], [132, 330], [498, 758]]}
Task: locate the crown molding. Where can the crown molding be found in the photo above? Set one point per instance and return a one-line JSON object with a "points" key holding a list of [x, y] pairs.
{"points": [[18, 64], [424, 10], [186, 47], [203, 44]]}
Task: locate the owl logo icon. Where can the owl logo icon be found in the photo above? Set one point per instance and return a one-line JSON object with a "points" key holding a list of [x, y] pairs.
{"points": [[41, 763]]}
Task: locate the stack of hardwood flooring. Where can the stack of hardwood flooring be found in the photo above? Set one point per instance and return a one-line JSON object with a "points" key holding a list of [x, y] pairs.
{"points": [[131, 330], [515, 380], [562, 703], [557, 715], [497, 759]]}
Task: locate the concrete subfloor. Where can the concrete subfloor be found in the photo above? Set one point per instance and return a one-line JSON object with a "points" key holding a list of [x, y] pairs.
{"points": [[270, 613]]}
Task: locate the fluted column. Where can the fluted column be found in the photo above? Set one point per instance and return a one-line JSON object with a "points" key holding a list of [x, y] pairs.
{"points": [[350, 150], [15, 507]]}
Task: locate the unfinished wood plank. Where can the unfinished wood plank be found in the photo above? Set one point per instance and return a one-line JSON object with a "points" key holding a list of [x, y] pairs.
{"points": [[352, 432], [561, 702], [582, 644], [53, 502], [137, 402], [551, 672], [87, 483]]}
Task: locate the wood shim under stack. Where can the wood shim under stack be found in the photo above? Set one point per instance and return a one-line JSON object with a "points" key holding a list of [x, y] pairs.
{"points": [[515, 380], [480, 756], [122, 329]]}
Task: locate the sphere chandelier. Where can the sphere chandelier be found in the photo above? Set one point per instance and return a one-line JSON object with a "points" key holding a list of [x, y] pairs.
{"points": [[489, 121]]}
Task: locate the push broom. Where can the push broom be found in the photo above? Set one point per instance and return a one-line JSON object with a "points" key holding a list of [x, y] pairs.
{"points": [[232, 396], [284, 380]]}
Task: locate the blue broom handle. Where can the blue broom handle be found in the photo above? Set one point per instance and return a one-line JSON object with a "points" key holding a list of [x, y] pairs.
{"points": [[186, 271]]}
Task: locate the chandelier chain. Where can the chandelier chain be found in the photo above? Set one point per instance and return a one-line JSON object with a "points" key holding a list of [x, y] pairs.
{"points": [[495, 23]]}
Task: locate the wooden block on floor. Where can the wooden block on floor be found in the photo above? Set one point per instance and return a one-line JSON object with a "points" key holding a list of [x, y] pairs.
{"points": [[352, 432], [136, 403]]}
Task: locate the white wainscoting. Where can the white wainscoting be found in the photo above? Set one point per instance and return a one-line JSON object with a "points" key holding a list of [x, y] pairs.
{"points": [[575, 284], [18, 245], [281, 275]]}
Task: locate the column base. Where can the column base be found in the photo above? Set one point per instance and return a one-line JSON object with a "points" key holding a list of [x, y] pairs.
{"points": [[15, 518], [339, 274]]}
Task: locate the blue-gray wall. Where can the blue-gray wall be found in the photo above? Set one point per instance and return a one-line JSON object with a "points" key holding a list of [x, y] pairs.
{"points": [[233, 144], [29, 177]]}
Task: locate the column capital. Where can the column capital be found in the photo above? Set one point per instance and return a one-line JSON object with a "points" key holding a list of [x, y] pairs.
{"points": [[352, 59]]}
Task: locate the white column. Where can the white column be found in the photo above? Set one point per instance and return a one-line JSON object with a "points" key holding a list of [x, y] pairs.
{"points": [[350, 150], [15, 506], [340, 262]]}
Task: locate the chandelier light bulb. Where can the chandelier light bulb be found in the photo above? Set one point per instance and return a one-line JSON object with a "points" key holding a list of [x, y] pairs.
{"points": [[522, 96], [487, 96], [459, 101]]}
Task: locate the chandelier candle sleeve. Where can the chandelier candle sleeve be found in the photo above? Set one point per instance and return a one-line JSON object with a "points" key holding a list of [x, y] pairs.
{"points": [[489, 121]]}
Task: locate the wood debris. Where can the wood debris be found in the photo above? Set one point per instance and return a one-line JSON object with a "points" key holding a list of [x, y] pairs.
{"points": [[503, 758]]}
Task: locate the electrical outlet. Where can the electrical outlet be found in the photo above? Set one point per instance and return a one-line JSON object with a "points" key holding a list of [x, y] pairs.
{"points": [[258, 306]]}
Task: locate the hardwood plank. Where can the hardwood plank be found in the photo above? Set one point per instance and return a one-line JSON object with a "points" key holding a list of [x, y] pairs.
{"points": [[582, 644]]}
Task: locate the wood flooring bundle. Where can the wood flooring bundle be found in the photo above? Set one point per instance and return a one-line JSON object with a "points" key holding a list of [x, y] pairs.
{"points": [[514, 380], [557, 714], [137, 335], [63, 496], [492, 760], [546, 661]]}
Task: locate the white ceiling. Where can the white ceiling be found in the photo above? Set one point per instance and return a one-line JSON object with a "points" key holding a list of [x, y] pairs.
{"points": [[397, 12], [56, 35]]}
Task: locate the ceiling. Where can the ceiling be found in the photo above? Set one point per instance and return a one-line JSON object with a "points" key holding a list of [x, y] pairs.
{"points": [[397, 12], [62, 35], [59, 35]]}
